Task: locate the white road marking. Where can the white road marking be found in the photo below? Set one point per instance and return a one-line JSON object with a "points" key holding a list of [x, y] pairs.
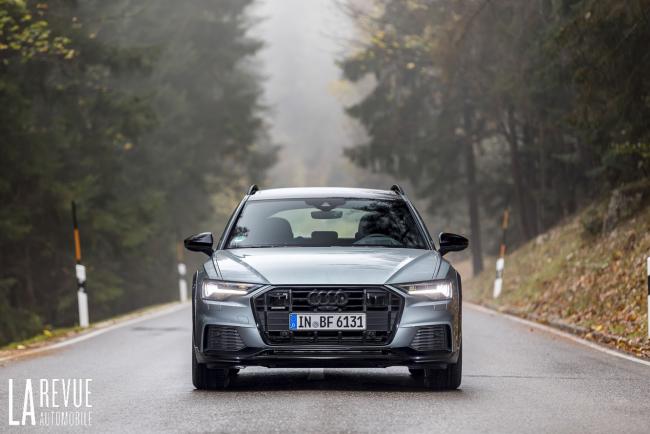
{"points": [[95, 333], [556, 332]]}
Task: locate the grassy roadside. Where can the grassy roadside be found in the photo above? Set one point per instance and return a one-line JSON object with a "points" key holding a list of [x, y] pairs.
{"points": [[589, 282], [50, 336], [47, 336]]}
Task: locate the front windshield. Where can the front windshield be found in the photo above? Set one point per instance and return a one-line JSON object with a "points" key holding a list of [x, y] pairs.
{"points": [[326, 222]]}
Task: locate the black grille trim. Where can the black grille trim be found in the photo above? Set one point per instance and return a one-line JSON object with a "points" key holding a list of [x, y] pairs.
{"points": [[383, 309], [220, 338], [432, 338]]}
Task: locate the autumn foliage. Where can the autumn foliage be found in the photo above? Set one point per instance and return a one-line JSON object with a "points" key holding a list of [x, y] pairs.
{"points": [[589, 282]]}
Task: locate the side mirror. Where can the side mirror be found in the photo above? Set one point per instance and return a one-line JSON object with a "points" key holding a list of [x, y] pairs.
{"points": [[452, 243], [200, 243]]}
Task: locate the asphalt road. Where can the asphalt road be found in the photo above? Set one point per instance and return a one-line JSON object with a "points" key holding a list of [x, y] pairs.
{"points": [[516, 379]]}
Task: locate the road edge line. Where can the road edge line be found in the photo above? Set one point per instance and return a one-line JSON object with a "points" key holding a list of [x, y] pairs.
{"points": [[95, 333], [554, 331]]}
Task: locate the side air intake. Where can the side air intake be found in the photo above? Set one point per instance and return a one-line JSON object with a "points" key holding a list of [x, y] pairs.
{"points": [[432, 338]]}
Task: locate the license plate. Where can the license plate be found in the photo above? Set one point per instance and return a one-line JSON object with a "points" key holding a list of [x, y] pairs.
{"points": [[327, 321]]}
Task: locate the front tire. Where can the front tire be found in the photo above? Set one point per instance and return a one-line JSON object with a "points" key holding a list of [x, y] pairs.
{"points": [[208, 379], [445, 379]]}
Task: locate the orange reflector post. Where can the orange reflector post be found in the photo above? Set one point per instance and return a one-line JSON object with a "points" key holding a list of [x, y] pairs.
{"points": [[75, 231], [77, 245]]}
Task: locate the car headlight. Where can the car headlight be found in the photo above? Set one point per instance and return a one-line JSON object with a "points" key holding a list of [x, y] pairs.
{"points": [[220, 290], [433, 289]]}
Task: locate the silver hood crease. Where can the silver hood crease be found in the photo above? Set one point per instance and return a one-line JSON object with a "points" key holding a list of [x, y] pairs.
{"points": [[326, 265]]}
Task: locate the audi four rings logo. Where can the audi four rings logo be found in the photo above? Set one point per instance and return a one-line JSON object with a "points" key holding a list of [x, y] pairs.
{"points": [[327, 298]]}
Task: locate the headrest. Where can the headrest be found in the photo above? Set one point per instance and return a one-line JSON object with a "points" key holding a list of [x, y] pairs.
{"points": [[278, 230], [273, 230]]}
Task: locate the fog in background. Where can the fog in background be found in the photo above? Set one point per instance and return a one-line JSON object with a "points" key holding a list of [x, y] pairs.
{"points": [[306, 94]]}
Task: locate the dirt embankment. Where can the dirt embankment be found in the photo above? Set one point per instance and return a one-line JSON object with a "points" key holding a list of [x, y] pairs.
{"points": [[587, 276]]}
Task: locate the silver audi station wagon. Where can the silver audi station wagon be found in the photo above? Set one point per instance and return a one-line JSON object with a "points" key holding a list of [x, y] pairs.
{"points": [[326, 277]]}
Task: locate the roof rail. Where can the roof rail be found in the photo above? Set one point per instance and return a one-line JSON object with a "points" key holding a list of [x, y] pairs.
{"points": [[397, 189], [252, 189]]}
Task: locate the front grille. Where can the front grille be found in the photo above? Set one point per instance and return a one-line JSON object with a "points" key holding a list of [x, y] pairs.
{"points": [[433, 338], [219, 338], [381, 306]]}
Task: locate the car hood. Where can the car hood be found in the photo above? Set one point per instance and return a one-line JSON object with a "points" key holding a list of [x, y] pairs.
{"points": [[326, 265]]}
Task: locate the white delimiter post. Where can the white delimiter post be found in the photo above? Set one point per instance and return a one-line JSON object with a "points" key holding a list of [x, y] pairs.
{"points": [[80, 272], [182, 284], [82, 297], [498, 282]]}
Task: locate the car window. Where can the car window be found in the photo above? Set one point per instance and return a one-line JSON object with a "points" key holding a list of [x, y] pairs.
{"points": [[303, 224], [326, 222]]}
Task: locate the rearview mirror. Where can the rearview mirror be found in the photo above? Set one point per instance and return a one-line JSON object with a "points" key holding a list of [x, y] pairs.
{"points": [[452, 243], [200, 243], [326, 215]]}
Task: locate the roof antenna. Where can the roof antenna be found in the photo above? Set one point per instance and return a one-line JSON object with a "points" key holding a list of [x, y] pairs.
{"points": [[397, 189], [252, 189]]}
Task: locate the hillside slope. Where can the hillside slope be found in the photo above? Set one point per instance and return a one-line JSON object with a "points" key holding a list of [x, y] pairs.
{"points": [[587, 276]]}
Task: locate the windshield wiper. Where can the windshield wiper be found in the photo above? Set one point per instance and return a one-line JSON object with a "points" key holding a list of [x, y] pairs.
{"points": [[262, 246], [378, 245], [266, 246]]}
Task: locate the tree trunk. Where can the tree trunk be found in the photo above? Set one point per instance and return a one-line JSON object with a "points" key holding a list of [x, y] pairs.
{"points": [[541, 214], [472, 194], [517, 178], [528, 138], [29, 298]]}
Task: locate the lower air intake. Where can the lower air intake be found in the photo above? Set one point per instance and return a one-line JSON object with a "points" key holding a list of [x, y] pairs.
{"points": [[432, 338], [218, 338]]}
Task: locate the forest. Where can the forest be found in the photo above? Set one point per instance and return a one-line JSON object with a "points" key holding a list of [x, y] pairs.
{"points": [[538, 106], [150, 115]]}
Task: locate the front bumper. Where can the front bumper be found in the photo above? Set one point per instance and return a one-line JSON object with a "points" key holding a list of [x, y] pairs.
{"points": [[237, 315], [295, 357]]}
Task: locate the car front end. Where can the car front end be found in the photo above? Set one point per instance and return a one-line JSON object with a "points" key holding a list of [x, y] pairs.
{"points": [[401, 328], [325, 305]]}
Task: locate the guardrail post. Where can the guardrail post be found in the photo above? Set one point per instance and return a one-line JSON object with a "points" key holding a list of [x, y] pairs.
{"points": [[498, 281], [182, 270], [80, 273]]}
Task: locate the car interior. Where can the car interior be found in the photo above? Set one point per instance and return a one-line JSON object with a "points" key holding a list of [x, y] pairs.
{"points": [[373, 228]]}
